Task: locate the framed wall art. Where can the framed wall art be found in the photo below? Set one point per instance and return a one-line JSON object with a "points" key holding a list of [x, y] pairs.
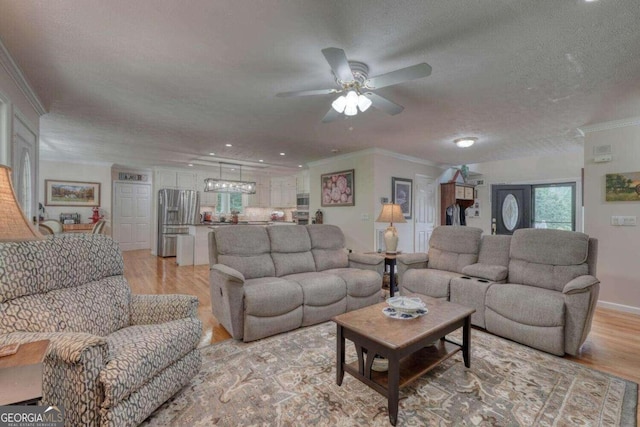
{"points": [[338, 188], [71, 193], [622, 187], [402, 194]]}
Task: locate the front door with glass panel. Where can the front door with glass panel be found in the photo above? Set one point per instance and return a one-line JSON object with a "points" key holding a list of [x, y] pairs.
{"points": [[510, 208]]}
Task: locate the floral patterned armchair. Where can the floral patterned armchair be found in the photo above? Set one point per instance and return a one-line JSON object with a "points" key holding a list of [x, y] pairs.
{"points": [[113, 357]]}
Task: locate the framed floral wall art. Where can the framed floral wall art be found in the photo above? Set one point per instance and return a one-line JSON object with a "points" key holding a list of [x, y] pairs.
{"points": [[402, 194], [338, 188]]}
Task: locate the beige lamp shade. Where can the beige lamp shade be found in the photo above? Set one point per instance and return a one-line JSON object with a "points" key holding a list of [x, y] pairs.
{"points": [[391, 213], [14, 226]]}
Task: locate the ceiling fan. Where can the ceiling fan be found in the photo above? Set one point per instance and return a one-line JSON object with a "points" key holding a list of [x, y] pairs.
{"points": [[356, 87]]}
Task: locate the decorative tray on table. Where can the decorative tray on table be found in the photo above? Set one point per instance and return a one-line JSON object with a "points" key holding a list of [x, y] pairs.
{"points": [[401, 307]]}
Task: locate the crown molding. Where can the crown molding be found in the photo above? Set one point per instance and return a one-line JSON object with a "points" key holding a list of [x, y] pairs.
{"points": [[633, 121], [379, 151], [18, 77]]}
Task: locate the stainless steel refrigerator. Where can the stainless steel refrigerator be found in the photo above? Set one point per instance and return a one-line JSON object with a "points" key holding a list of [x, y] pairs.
{"points": [[177, 209]]}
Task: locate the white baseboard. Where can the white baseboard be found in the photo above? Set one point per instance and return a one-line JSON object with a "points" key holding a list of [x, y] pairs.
{"points": [[619, 307]]}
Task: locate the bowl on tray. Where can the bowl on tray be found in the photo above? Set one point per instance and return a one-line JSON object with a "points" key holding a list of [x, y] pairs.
{"points": [[405, 304]]}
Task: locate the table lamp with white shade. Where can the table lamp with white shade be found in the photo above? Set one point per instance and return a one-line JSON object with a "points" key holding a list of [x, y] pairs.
{"points": [[14, 226], [391, 213]]}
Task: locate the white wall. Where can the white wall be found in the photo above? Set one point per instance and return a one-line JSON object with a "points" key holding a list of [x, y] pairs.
{"points": [[386, 166], [17, 101], [527, 170], [358, 233], [374, 169], [88, 172], [619, 247]]}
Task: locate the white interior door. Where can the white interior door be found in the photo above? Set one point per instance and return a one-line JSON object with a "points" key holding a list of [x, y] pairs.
{"points": [[24, 166], [425, 211], [132, 216]]}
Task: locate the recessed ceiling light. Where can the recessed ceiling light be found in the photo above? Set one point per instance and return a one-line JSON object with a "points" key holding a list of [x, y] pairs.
{"points": [[228, 145], [590, 1], [299, 166], [191, 164], [465, 142], [212, 154], [261, 161], [282, 154]]}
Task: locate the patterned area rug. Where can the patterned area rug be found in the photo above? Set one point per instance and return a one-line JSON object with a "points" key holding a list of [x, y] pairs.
{"points": [[290, 380]]}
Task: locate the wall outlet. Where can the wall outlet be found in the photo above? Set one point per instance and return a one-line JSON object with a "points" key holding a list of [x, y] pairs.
{"points": [[364, 217], [628, 221]]}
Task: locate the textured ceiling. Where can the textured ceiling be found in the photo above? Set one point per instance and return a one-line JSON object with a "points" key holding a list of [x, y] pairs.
{"points": [[151, 82]]}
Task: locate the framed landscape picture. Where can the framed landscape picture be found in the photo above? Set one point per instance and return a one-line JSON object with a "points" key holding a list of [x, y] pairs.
{"points": [[401, 194], [623, 187], [338, 188], [71, 193]]}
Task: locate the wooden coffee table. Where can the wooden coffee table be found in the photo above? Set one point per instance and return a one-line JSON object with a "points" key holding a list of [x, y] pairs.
{"points": [[405, 343]]}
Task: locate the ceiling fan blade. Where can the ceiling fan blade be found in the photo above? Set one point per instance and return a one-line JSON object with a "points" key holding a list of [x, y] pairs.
{"points": [[399, 76], [331, 116], [306, 93], [337, 59], [384, 104]]}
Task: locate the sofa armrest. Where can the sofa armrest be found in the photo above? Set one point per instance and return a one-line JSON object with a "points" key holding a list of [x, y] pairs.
{"points": [[150, 309], [362, 258], [70, 372], [406, 262], [580, 284], [228, 273], [495, 273], [415, 260], [227, 298]]}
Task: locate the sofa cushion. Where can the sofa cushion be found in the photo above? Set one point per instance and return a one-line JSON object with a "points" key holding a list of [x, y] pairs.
{"points": [[245, 248], [327, 246], [555, 247], [547, 276], [271, 296], [319, 289], [494, 250], [451, 248], [360, 283], [433, 283], [98, 308], [291, 250], [138, 353], [62, 261], [526, 304]]}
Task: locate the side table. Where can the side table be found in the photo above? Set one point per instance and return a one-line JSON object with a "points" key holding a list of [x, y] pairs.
{"points": [[21, 374], [389, 261]]}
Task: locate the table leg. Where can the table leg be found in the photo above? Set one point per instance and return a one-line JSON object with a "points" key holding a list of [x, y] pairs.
{"points": [[392, 280], [466, 341], [340, 353], [393, 389]]}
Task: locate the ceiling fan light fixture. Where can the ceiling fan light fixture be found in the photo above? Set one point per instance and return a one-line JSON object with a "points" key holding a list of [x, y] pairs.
{"points": [[465, 142], [351, 110], [363, 103], [339, 104]]}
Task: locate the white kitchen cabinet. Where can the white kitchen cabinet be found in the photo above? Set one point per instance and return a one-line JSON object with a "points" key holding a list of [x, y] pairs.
{"points": [[207, 198], [302, 182], [283, 192], [175, 179]]}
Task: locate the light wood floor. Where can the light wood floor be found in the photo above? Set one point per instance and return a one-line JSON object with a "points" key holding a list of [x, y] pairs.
{"points": [[613, 345]]}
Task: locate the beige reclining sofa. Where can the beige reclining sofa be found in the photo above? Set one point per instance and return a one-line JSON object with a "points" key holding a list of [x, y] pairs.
{"points": [[537, 287], [268, 280]]}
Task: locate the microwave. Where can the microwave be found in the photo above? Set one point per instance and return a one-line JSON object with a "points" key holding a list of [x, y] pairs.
{"points": [[302, 201]]}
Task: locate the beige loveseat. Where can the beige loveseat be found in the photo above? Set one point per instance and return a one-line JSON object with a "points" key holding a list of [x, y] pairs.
{"points": [[537, 287], [267, 280], [113, 357]]}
